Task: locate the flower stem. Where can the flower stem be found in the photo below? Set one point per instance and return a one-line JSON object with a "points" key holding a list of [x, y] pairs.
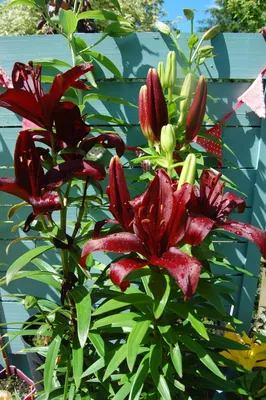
{"points": [[66, 380], [81, 210]]}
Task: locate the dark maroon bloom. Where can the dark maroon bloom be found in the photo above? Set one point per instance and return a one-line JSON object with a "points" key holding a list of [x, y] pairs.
{"points": [[209, 207], [70, 126], [153, 114], [29, 178], [154, 223], [27, 98]]}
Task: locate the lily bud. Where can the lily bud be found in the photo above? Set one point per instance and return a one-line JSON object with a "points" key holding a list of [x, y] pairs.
{"points": [[153, 112], [143, 114], [168, 140], [170, 69], [162, 27], [189, 13], [211, 33], [197, 110], [187, 91], [188, 171], [161, 73]]}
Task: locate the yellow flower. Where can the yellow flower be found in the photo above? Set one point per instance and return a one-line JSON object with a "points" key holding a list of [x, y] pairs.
{"points": [[249, 359]]}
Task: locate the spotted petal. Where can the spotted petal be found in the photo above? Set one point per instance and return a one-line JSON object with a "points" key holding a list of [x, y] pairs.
{"points": [[247, 231], [119, 270], [197, 229], [184, 269], [124, 242]]}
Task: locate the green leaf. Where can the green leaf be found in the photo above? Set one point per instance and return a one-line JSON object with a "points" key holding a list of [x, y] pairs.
{"points": [[23, 260], [163, 388], [116, 320], [97, 342], [51, 62], [139, 378], [96, 366], [101, 14], [101, 97], [198, 326], [50, 364], [13, 3], [123, 392], [202, 353], [208, 292], [117, 359], [162, 292], [82, 300], [68, 21], [107, 63], [108, 118], [77, 361], [124, 300], [15, 208], [134, 340], [176, 358]]}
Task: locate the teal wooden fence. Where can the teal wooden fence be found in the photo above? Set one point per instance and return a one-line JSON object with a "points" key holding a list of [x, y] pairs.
{"points": [[240, 57]]}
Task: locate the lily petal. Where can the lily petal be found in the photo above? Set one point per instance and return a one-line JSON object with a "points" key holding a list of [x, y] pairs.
{"points": [[120, 269], [247, 231], [56, 176], [124, 242], [184, 269], [61, 83], [24, 104], [9, 185], [69, 124], [197, 229]]}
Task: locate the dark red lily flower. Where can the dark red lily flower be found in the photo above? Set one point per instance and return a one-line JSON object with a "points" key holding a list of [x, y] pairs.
{"points": [[28, 183], [153, 114], [27, 98], [209, 207], [155, 223]]}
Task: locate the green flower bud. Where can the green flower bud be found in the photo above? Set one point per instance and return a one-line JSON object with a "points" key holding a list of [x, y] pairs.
{"points": [[118, 29], [170, 69], [188, 171], [161, 73], [163, 28], [168, 140], [211, 33], [189, 13]]}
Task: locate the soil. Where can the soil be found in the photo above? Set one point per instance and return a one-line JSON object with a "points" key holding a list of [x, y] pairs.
{"points": [[14, 384]]}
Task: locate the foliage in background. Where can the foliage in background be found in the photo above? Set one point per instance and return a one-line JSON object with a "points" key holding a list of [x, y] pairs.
{"points": [[19, 20], [236, 16], [24, 20]]}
